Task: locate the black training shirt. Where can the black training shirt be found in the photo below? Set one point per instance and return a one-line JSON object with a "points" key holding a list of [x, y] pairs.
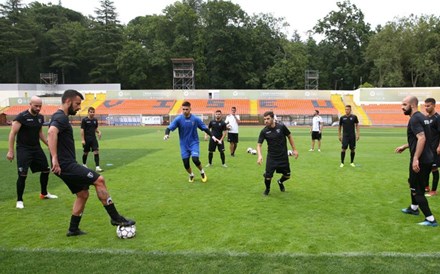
{"points": [[89, 126], [419, 123], [276, 140], [66, 144], [29, 134], [434, 122], [217, 128], [348, 123]]}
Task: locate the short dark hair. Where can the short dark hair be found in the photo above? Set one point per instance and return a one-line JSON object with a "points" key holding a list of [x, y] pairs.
{"points": [[218, 111], [430, 100], [268, 113], [317, 111], [233, 108], [91, 109], [186, 104], [71, 94], [348, 106]]}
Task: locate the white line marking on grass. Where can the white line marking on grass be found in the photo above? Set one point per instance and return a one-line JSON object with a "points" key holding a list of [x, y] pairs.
{"points": [[226, 253]]}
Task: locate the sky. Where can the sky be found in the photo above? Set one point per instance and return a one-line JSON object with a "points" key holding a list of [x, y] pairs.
{"points": [[301, 15]]}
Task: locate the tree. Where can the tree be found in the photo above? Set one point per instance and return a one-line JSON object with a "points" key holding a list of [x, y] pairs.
{"points": [[16, 39], [346, 32]]}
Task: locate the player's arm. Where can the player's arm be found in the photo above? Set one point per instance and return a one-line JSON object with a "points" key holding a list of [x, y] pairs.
{"points": [[339, 131], [209, 133], [358, 134], [321, 125], [14, 130], [225, 133], [83, 140], [401, 148], [292, 144], [42, 137], [260, 156], [52, 137], [421, 140], [97, 131]]}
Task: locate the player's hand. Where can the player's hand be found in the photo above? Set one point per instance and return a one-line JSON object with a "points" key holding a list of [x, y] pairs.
{"points": [[99, 135], [357, 138], [260, 160], [399, 149], [10, 156], [56, 169], [166, 137], [340, 139], [216, 140], [295, 153], [83, 143], [415, 166]]}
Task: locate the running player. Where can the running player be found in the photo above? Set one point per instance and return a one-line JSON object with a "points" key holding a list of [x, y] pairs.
{"points": [[77, 177], [219, 130], [348, 122], [418, 134], [27, 127], [89, 129], [277, 157], [189, 139]]}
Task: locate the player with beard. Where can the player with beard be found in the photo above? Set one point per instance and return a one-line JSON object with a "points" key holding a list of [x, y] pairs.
{"points": [[434, 121], [27, 127], [219, 130], [89, 129], [421, 158], [77, 177], [347, 124], [277, 157]]}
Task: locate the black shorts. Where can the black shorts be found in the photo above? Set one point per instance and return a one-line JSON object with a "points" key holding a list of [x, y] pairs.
{"points": [[33, 158], [77, 177], [233, 138], [91, 144], [316, 135], [213, 145], [349, 141], [278, 166], [418, 180]]}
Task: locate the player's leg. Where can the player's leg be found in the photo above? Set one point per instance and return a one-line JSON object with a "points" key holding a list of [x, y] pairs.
{"points": [[285, 171], [418, 183], [95, 149], [211, 149], [24, 158], [268, 174], [195, 152], [221, 149], [77, 212], [319, 141], [344, 148], [312, 148], [39, 164], [435, 179], [352, 150]]}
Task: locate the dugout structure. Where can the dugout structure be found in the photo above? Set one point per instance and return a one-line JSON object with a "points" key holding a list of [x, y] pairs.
{"points": [[183, 73]]}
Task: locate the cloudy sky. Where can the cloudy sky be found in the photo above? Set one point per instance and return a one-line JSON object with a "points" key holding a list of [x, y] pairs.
{"points": [[301, 15]]}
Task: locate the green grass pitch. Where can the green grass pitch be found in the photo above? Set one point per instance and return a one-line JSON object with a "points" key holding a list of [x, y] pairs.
{"points": [[329, 220]]}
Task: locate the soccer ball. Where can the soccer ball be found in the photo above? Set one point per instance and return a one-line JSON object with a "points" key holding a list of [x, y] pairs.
{"points": [[126, 232], [289, 152], [249, 150], [254, 152]]}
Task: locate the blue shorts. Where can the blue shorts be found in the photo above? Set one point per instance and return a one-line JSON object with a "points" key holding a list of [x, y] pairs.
{"points": [[192, 150]]}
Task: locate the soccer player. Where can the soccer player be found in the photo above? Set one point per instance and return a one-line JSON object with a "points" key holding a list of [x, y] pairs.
{"points": [[277, 158], [219, 130], [348, 122], [232, 122], [434, 121], [316, 130], [27, 127], [77, 177], [89, 129], [189, 139], [421, 158]]}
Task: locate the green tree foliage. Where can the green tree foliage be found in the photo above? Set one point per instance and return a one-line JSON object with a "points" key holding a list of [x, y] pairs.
{"points": [[346, 34]]}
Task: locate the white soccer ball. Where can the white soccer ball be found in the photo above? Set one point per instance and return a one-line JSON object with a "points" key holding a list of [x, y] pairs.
{"points": [[289, 152], [249, 150], [254, 152], [126, 232]]}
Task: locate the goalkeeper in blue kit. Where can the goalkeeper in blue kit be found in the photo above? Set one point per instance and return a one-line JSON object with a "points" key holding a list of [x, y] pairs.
{"points": [[189, 139]]}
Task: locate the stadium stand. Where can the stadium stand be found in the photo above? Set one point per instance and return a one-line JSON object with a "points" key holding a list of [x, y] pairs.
{"points": [[385, 114], [45, 110], [144, 107], [91, 101], [357, 110], [337, 102], [299, 107]]}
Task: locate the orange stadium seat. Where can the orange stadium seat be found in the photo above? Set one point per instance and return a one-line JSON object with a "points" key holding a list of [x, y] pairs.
{"points": [[45, 110], [203, 106], [293, 106], [144, 107], [385, 114]]}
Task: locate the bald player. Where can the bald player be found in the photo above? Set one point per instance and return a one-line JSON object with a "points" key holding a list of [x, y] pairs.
{"points": [[27, 129]]}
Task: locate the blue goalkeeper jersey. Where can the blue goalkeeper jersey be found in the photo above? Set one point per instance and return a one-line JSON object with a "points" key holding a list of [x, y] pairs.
{"points": [[187, 129]]}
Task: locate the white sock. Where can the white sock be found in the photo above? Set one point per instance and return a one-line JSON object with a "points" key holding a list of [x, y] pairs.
{"points": [[430, 218], [202, 171], [414, 207]]}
